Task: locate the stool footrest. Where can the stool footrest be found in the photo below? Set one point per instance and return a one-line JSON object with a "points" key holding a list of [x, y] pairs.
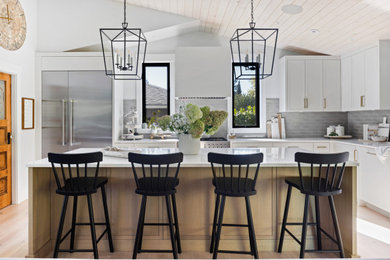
{"points": [[235, 252], [323, 251], [234, 225], [88, 224], [300, 224], [154, 251], [157, 224], [74, 250]]}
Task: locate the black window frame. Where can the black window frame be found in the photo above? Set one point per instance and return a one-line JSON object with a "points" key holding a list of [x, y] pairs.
{"points": [[155, 64], [257, 88]]}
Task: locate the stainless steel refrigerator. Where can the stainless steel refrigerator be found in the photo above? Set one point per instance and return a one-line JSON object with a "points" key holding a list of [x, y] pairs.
{"points": [[76, 110]]}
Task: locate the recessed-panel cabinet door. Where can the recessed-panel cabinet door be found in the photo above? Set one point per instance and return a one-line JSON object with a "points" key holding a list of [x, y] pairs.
{"points": [[358, 81], [346, 83], [295, 85], [313, 83], [331, 88], [371, 79]]}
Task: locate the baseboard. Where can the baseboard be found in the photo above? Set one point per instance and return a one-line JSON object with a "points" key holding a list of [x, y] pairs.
{"points": [[374, 208]]}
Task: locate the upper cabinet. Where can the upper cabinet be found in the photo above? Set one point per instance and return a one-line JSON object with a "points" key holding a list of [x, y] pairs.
{"points": [[310, 83], [365, 78]]}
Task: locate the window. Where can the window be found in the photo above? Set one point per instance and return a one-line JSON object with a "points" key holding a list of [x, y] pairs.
{"points": [[246, 96], [155, 90]]}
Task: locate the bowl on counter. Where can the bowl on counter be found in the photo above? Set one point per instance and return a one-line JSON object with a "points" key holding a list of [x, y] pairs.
{"points": [[379, 138]]}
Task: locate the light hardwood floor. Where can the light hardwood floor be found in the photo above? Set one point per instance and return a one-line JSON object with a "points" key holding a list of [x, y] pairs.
{"points": [[373, 238]]}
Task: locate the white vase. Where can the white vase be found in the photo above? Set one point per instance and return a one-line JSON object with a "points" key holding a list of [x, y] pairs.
{"points": [[188, 144]]}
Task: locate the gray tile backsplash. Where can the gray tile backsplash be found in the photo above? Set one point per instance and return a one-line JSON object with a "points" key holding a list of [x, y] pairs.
{"points": [[356, 119], [314, 124]]}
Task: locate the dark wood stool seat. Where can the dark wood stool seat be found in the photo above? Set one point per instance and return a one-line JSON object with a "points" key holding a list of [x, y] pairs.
{"points": [[234, 187], [156, 186], [154, 177], [233, 179], [324, 181], [81, 186], [307, 181], [75, 182]]}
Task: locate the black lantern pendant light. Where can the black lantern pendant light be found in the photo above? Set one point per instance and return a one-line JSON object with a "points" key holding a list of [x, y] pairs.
{"points": [[253, 48], [124, 51]]}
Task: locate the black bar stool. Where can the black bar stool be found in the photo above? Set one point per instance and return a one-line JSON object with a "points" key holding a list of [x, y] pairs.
{"points": [[156, 181], [328, 185], [229, 184], [70, 185]]}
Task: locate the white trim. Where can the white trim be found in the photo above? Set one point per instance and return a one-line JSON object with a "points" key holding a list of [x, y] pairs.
{"points": [[16, 86]]}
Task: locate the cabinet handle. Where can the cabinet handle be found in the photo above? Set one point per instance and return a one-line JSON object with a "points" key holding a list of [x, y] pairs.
{"points": [[371, 153], [324, 102], [292, 146], [355, 155], [322, 146], [363, 101], [305, 102]]}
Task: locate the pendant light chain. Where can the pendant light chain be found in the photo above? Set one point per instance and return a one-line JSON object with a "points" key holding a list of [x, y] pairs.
{"points": [[252, 11], [124, 11]]}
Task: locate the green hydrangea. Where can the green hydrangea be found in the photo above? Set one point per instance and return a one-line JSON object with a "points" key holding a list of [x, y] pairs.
{"points": [[193, 113], [196, 129]]}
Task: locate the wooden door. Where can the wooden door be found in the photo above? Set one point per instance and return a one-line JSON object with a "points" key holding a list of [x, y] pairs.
{"points": [[5, 141]]}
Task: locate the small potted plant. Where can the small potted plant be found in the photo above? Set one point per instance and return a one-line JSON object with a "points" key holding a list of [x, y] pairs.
{"points": [[190, 124]]}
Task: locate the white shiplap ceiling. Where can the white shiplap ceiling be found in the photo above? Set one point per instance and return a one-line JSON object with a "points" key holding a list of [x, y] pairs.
{"points": [[344, 25]]}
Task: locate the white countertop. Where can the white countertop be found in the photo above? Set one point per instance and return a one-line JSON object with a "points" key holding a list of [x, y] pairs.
{"points": [[368, 144], [148, 141], [273, 157]]}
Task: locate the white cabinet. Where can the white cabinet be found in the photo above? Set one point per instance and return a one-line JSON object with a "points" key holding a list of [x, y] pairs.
{"points": [[313, 85], [310, 83], [337, 147], [331, 85], [321, 147], [365, 78], [302, 145], [295, 92], [374, 179]]}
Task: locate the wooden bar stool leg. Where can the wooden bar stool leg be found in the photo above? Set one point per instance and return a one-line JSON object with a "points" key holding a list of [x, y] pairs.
{"points": [[74, 215], [60, 226], [251, 228], [177, 234], [92, 225], [286, 208], [107, 217], [318, 223], [173, 242], [214, 223], [218, 234], [304, 227], [336, 226], [140, 220], [142, 226]]}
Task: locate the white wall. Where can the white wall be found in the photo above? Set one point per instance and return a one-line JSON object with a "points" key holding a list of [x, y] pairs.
{"points": [[21, 64], [71, 24], [203, 71]]}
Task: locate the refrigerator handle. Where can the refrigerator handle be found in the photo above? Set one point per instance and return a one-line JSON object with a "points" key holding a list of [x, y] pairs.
{"points": [[63, 121], [71, 141], [71, 122]]}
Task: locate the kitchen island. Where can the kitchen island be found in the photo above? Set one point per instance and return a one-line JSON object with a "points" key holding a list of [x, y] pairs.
{"points": [[195, 204]]}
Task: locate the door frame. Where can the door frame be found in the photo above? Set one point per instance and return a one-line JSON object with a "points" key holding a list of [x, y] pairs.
{"points": [[16, 85]]}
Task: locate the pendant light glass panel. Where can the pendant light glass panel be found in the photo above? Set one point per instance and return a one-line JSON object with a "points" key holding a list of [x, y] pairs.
{"points": [[124, 52], [254, 45]]}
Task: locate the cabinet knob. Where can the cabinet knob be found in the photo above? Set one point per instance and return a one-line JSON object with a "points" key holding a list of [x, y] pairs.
{"points": [[362, 101], [324, 102]]}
